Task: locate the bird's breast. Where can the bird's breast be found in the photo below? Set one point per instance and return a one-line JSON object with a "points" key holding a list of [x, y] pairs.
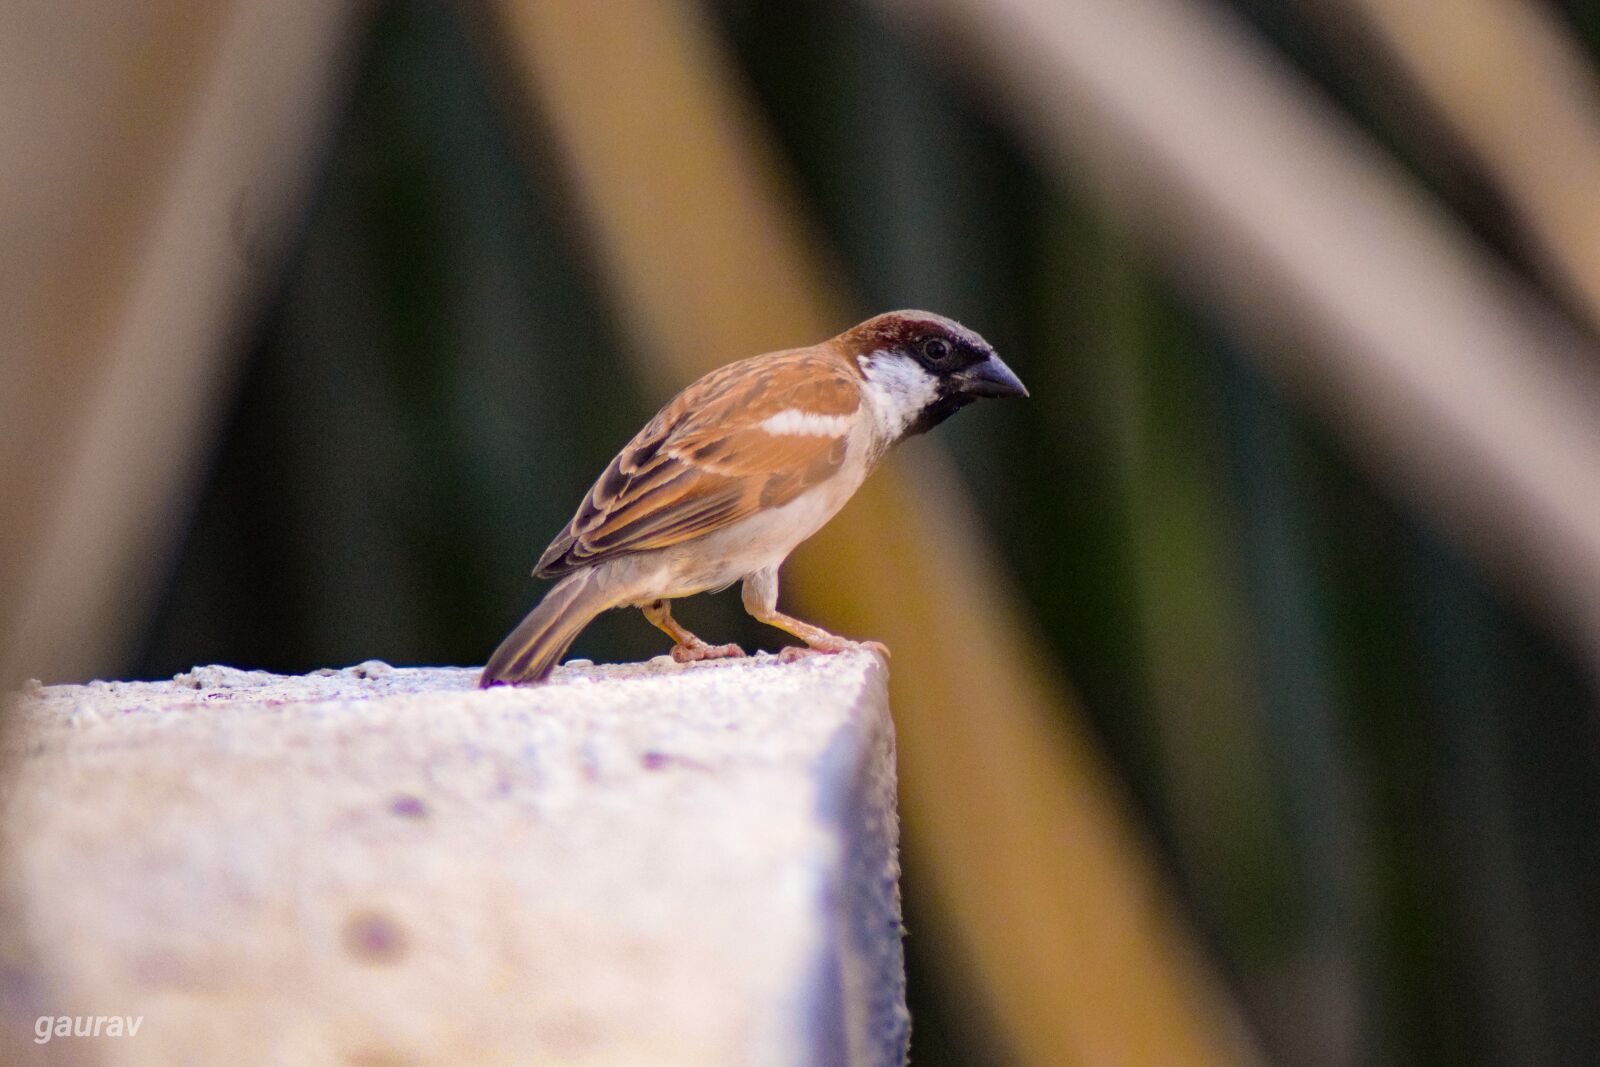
{"points": [[765, 538]]}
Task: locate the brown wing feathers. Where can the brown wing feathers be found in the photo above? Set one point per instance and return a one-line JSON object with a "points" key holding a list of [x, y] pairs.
{"points": [[705, 461]]}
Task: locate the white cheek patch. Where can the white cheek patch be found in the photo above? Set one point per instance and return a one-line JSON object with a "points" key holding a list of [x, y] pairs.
{"points": [[899, 389], [792, 422]]}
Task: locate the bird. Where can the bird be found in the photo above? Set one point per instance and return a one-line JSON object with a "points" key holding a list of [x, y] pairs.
{"points": [[736, 471]]}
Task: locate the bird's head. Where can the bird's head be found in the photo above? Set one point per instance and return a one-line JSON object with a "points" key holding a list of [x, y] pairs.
{"points": [[921, 368]]}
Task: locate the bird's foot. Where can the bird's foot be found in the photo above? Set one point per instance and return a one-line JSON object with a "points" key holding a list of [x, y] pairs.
{"points": [[702, 650], [829, 645]]}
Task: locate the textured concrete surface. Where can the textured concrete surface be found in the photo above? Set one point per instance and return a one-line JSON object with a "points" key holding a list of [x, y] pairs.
{"points": [[634, 865]]}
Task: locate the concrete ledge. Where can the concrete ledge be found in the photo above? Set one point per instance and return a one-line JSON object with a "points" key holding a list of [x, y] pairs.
{"points": [[635, 865]]}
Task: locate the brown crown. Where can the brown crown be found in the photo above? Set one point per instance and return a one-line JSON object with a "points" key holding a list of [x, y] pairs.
{"points": [[903, 329]]}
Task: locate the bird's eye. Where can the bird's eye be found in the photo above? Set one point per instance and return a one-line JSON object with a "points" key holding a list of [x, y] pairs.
{"points": [[937, 349]]}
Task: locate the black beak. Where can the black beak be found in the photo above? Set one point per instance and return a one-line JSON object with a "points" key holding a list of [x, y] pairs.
{"points": [[990, 378]]}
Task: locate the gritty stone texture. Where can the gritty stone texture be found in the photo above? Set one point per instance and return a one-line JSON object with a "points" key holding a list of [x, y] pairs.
{"points": [[649, 864]]}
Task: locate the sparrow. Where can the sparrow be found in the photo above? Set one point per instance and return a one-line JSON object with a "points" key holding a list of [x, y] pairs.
{"points": [[736, 471]]}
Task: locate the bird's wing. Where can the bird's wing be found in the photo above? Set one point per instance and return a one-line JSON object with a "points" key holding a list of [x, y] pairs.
{"points": [[749, 436]]}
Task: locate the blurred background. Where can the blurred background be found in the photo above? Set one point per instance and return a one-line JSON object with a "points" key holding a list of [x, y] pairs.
{"points": [[1244, 675]]}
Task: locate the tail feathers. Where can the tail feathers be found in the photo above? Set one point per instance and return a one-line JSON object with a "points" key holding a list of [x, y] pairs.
{"points": [[531, 651]]}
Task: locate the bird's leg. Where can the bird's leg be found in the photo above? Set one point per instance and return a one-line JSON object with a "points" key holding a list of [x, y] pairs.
{"points": [[760, 596], [686, 647]]}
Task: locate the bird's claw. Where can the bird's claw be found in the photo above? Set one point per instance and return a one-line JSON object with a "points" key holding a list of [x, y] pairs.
{"points": [[694, 653], [791, 653]]}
